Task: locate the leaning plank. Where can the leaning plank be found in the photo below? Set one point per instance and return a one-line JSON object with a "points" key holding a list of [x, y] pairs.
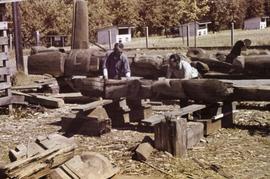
{"points": [[35, 165], [41, 100], [93, 105]]}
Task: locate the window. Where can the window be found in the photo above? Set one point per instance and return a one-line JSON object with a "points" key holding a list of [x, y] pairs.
{"points": [[123, 31]]}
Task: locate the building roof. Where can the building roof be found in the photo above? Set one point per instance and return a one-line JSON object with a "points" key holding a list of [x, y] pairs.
{"points": [[263, 17], [8, 1], [199, 23], [116, 26]]}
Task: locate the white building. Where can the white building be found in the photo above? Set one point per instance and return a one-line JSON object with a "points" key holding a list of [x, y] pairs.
{"points": [[118, 33], [255, 23], [201, 29]]}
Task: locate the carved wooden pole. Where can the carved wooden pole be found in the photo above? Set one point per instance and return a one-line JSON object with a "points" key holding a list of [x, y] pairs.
{"points": [[80, 35]]}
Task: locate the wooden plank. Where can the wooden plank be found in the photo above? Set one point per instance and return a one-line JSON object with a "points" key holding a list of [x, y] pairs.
{"points": [[41, 100], [93, 105], [4, 85], [3, 25], [248, 82], [27, 87], [3, 56], [153, 120], [5, 100], [195, 131], [4, 71], [3, 41]]}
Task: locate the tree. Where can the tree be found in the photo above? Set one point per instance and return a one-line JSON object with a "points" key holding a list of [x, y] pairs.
{"points": [[99, 16], [256, 8], [47, 17]]}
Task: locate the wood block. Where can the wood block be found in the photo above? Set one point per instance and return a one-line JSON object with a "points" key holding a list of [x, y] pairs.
{"points": [[171, 136], [86, 125], [195, 131], [3, 25], [136, 115], [5, 100]]}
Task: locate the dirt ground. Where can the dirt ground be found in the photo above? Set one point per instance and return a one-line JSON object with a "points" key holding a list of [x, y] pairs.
{"points": [[241, 152]]}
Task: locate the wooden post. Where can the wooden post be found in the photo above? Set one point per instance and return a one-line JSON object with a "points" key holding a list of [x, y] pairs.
{"points": [[146, 33], [10, 41], [195, 34], [232, 34], [187, 35], [80, 36], [37, 38], [227, 110], [18, 38], [171, 136], [110, 39]]}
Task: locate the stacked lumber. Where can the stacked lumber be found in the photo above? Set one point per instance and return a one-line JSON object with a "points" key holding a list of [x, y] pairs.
{"points": [[38, 158]]}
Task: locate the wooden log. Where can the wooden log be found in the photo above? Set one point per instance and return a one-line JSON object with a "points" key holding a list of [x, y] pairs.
{"points": [[115, 89], [171, 136], [92, 87], [252, 93], [80, 34], [42, 49], [208, 91], [91, 106], [47, 63], [82, 62], [41, 100], [148, 66], [257, 65], [168, 88], [38, 165]]}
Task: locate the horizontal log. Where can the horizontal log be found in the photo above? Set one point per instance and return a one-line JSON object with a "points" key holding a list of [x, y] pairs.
{"points": [[255, 93], [47, 63]]}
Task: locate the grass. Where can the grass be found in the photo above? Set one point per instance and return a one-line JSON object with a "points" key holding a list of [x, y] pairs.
{"points": [[222, 38]]}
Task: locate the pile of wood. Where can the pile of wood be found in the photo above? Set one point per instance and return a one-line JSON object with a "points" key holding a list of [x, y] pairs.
{"points": [[53, 156]]}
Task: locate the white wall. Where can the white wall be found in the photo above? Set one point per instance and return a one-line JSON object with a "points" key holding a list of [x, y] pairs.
{"points": [[103, 35], [253, 23]]}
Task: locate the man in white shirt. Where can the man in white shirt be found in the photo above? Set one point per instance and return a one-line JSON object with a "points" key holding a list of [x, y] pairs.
{"points": [[179, 68]]}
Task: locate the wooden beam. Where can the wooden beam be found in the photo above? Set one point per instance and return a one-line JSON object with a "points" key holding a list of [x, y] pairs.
{"points": [[90, 106], [3, 56], [41, 100], [3, 41]]}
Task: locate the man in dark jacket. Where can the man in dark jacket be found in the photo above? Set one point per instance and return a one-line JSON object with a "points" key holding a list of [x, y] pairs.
{"points": [[116, 64]]}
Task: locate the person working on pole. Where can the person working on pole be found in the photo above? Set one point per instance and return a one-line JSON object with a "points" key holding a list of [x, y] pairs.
{"points": [[180, 68], [116, 64]]}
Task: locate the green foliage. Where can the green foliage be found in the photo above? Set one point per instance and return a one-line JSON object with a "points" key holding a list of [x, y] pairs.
{"points": [[255, 8], [55, 16]]}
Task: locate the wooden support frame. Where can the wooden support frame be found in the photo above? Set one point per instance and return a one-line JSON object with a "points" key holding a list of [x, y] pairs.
{"points": [[6, 98]]}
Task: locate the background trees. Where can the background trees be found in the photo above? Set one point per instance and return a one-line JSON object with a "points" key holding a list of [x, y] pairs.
{"points": [[55, 16]]}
